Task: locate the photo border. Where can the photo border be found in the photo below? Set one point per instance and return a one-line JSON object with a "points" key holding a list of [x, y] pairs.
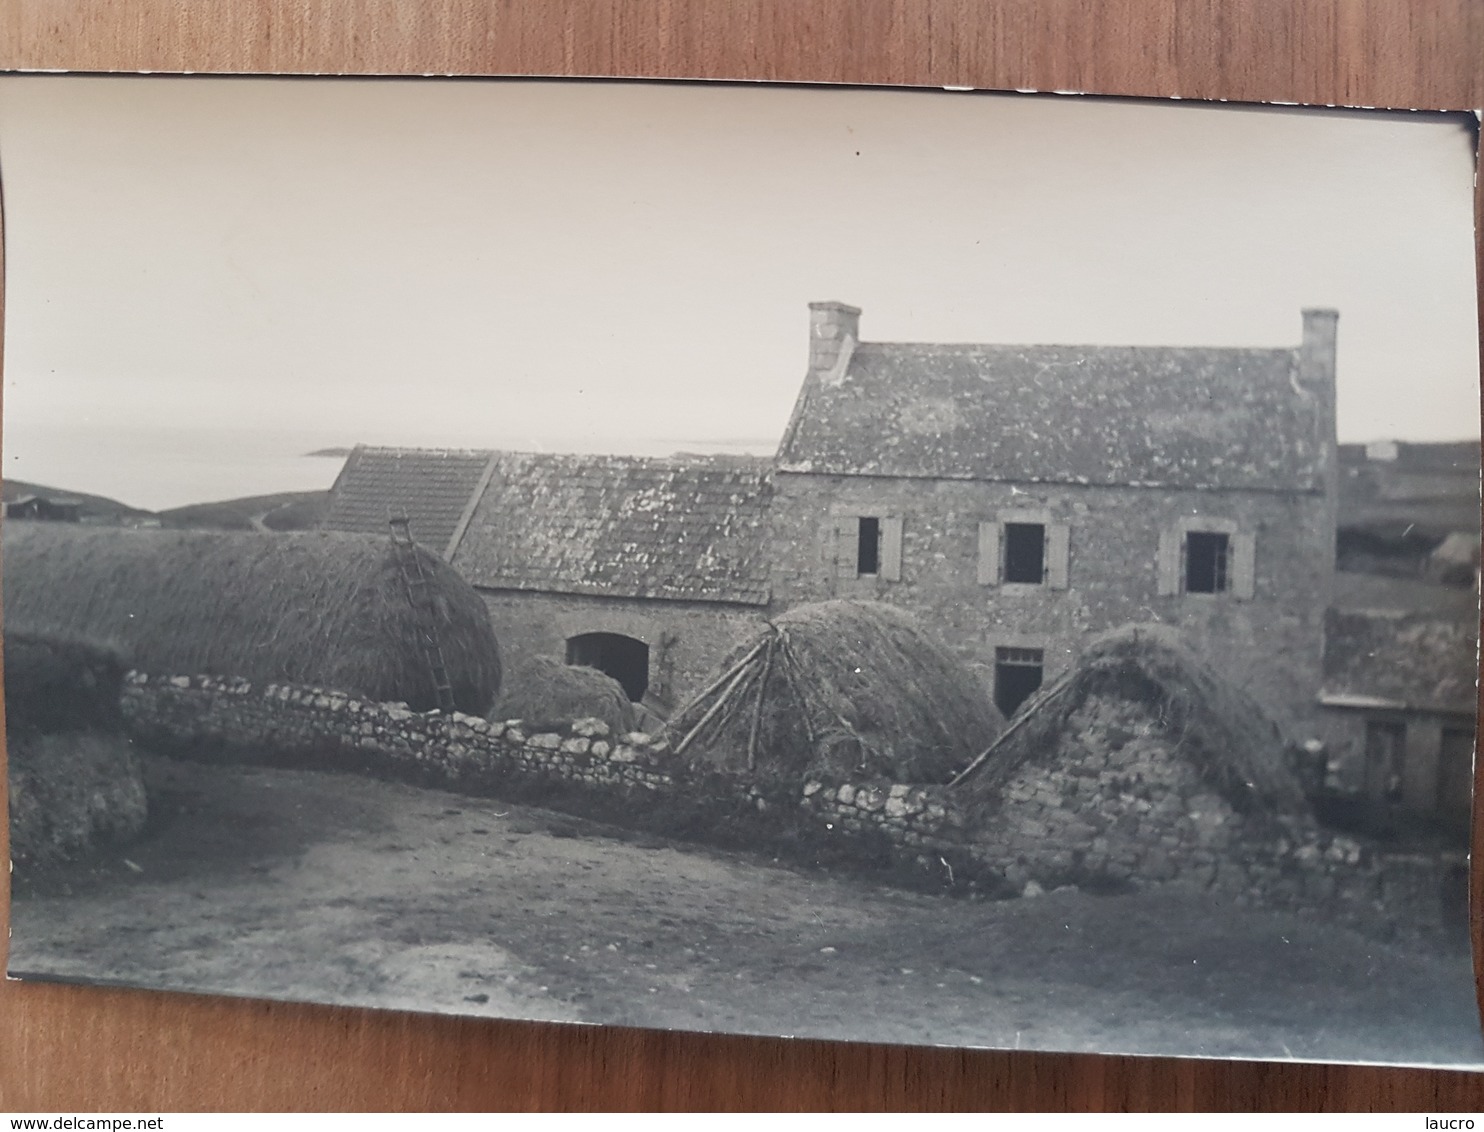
{"points": [[86, 1048]]}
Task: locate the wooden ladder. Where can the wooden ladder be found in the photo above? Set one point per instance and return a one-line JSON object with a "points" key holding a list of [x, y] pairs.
{"points": [[420, 594]]}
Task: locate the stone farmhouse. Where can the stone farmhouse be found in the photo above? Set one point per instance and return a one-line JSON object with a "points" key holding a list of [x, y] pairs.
{"points": [[1020, 499]]}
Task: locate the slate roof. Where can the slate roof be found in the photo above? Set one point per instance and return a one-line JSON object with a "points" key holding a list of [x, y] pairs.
{"points": [[1148, 416], [680, 529], [433, 486], [1387, 658]]}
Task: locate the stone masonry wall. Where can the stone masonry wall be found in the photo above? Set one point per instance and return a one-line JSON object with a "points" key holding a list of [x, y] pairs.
{"points": [[1046, 834], [1270, 645], [687, 640]]}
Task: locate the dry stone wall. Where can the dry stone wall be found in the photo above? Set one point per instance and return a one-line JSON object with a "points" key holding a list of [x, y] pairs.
{"points": [[1136, 820]]}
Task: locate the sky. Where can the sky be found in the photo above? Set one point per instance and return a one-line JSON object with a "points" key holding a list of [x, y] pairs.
{"points": [[207, 278]]}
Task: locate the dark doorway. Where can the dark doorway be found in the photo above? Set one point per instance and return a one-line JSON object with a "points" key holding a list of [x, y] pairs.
{"points": [[1456, 777], [623, 658], [1017, 674], [1385, 749], [1025, 553]]}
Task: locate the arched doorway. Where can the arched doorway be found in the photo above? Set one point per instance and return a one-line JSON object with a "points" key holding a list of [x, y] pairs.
{"points": [[623, 658]]}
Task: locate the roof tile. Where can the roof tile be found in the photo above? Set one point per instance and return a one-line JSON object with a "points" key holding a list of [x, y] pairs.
{"points": [[681, 529], [432, 485], [1146, 416]]}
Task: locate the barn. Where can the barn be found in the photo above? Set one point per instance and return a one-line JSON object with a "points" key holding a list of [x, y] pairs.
{"points": [[1019, 500], [646, 569]]}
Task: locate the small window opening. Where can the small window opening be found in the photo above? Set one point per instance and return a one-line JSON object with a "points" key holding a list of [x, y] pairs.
{"points": [[868, 547], [1017, 675], [1025, 553], [1207, 555]]}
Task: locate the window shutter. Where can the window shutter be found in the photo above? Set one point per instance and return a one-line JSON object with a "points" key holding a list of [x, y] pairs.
{"points": [[1169, 564], [1058, 551], [989, 554], [1243, 565], [891, 548], [847, 546]]}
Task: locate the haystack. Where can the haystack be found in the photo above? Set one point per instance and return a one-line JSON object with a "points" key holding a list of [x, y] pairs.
{"points": [[841, 690], [542, 690], [75, 782], [1237, 750], [324, 609]]}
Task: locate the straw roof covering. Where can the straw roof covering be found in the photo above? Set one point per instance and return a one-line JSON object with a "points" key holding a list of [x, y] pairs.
{"points": [[844, 690], [542, 690], [324, 609], [1235, 747]]}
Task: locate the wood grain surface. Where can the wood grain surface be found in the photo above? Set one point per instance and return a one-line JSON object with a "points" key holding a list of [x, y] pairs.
{"points": [[70, 1048]]}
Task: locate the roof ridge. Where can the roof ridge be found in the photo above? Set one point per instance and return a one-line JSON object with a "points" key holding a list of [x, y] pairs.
{"points": [[423, 450], [947, 347]]}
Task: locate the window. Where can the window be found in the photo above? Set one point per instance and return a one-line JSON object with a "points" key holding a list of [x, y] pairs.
{"points": [[1206, 557], [1017, 675], [1024, 548], [868, 547], [865, 546], [1025, 552]]}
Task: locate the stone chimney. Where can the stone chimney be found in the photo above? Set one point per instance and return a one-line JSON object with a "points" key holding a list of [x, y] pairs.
{"points": [[831, 327], [1316, 367], [1317, 354], [1316, 377], [834, 329]]}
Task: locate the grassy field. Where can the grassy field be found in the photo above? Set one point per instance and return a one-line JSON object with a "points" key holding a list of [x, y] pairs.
{"points": [[285, 511]]}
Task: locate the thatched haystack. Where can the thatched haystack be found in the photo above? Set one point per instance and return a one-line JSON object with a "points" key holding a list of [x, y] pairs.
{"points": [[324, 609], [542, 690], [1141, 680], [841, 690], [75, 782]]}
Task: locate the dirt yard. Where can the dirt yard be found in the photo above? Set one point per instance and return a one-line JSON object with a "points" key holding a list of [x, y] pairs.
{"points": [[341, 889]]}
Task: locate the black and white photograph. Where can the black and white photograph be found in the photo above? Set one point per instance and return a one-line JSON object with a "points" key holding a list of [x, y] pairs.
{"points": [[927, 567]]}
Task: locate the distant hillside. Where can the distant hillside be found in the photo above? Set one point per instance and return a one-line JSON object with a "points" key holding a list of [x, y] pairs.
{"points": [[1399, 501], [95, 508], [1427, 490], [284, 511]]}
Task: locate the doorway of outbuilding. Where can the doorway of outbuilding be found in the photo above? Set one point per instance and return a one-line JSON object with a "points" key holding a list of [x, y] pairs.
{"points": [[1017, 675], [624, 658]]}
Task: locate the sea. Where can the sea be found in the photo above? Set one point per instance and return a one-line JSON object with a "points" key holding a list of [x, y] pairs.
{"points": [[162, 468]]}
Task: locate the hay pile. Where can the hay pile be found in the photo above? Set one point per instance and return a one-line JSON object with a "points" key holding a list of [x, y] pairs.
{"points": [[1220, 730], [840, 690], [542, 691], [75, 782], [324, 609]]}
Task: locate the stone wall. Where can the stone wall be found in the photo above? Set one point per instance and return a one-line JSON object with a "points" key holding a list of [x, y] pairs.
{"points": [[1056, 825], [687, 639], [1271, 645], [1295, 866]]}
